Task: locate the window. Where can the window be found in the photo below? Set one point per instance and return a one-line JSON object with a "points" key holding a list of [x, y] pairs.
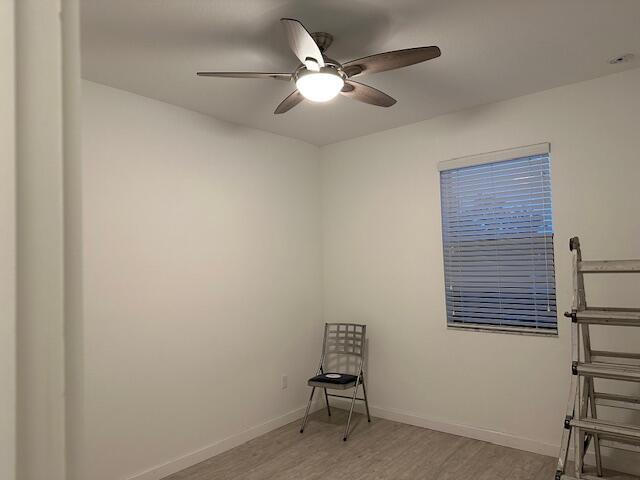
{"points": [[497, 235]]}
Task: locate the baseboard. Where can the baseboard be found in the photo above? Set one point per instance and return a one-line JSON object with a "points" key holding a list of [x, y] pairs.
{"points": [[486, 435], [622, 463], [185, 461], [499, 438]]}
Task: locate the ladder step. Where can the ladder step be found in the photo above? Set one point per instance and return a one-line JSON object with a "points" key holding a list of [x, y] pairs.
{"points": [[629, 447], [619, 431], [618, 317], [609, 266], [617, 401], [627, 373], [602, 356], [584, 476]]}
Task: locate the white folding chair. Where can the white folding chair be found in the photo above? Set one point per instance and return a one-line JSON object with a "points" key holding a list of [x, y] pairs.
{"points": [[343, 343]]}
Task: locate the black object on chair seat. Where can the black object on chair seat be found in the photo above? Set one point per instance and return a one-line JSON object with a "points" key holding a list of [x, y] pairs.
{"points": [[342, 380]]}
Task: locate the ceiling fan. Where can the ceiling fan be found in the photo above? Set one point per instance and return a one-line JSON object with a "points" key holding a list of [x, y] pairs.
{"points": [[320, 78]]}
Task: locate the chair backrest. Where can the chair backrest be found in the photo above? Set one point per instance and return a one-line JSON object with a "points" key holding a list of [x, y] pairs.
{"points": [[344, 339]]}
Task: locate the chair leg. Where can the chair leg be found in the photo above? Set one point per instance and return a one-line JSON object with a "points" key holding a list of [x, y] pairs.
{"points": [[306, 413], [353, 401], [326, 399], [366, 401]]}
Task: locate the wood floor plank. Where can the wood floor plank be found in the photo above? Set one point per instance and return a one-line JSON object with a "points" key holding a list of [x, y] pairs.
{"points": [[344, 459], [547, 471], [431, 454], [529, 465], [380, 450], [313, 457], [463, 463]]}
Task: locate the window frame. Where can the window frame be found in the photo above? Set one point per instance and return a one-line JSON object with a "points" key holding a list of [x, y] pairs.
{"points": [[487, 158]]}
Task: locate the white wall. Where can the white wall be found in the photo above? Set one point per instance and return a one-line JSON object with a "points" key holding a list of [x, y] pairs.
{"points": [[72, 199], [383, 256], [202, 282], [7, 243], [40, 127], [204, 273]]}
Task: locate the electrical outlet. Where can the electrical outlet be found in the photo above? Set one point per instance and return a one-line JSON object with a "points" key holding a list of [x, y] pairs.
{"points": [[284, 381]]}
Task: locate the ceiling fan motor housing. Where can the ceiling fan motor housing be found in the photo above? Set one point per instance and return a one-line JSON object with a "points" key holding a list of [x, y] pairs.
{"points": [[330, 66], [323, 40]]}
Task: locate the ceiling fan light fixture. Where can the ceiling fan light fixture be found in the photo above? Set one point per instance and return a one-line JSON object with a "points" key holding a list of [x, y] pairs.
{"points": [[319, 86], [319, 78]]}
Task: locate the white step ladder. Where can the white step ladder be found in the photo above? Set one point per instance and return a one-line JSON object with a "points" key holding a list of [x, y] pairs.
{"points": [[582, 425]]}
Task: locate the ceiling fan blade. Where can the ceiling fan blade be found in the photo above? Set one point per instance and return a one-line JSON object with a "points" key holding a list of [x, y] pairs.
{"points": [[277, 76], [302, 44], [390, 60], [365, 93], [288, 103]]}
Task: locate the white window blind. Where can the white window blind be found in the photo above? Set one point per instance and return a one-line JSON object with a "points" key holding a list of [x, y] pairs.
{"points": [[498, 243]]}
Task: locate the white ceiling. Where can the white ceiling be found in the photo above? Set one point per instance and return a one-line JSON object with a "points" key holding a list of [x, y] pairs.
{"points": [[491, 50]]}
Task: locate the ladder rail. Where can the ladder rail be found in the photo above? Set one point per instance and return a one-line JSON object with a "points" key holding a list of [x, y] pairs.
{"points": [[590, 397]]}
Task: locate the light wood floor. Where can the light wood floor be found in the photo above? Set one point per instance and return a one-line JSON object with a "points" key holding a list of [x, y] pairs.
{"points": [[380, 450]]}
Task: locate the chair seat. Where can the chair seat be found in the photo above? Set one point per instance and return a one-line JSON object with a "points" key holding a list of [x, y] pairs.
{"points": [[332, 380]]}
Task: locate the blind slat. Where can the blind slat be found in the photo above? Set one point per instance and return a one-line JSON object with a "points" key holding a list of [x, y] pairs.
{"points": [[497, 236]]}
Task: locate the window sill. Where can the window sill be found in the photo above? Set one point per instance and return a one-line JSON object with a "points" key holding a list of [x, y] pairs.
{"points": [[508, 330]]}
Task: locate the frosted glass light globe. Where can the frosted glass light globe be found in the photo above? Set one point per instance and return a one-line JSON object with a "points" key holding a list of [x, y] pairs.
{"points": [[320, 86]]}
